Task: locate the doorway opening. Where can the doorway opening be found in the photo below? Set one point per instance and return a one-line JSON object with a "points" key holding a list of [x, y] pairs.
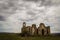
{"points": [[42, 31]]}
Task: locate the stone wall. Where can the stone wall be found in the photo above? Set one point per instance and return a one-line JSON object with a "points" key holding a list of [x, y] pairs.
{"points": [[33, 30]]}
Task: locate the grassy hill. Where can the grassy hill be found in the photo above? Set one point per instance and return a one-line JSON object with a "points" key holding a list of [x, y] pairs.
{"points": [[12, 36]]}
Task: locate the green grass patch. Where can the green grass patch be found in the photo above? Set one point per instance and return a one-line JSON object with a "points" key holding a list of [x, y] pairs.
{"points": [[18, 37]]}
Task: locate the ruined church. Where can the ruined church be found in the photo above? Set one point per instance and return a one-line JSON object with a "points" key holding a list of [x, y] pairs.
{"points": [[33, 30]]}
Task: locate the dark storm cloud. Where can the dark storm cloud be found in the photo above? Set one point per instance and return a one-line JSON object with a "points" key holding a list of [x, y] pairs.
{"points": [[44, 2], [50, 2], [31, 13], [7, 7], [2, 18]]}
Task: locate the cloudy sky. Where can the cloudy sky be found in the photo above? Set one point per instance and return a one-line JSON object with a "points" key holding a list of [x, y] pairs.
{"points": [[14, 12]]}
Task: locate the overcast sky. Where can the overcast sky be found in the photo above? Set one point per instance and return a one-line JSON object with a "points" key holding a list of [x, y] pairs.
{"points": [[14, 12]]}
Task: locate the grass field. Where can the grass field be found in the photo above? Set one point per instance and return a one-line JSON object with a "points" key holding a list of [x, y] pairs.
{"points": [[18, 37]]}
